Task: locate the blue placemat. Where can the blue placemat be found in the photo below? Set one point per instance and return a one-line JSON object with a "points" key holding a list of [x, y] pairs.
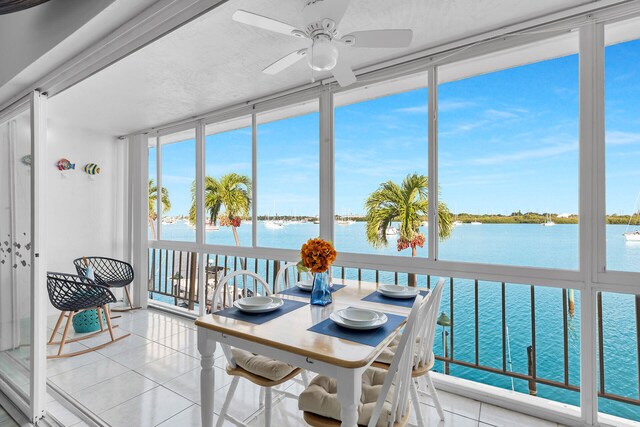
{"points": [[297, 292], [260, 318], [379, 298], [372, 338]]}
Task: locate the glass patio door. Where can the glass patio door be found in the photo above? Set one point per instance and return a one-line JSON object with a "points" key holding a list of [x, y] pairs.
{"points": [[22, 317]]}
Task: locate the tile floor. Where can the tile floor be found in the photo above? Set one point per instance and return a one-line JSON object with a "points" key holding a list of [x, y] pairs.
{"points": [[152, 379]]}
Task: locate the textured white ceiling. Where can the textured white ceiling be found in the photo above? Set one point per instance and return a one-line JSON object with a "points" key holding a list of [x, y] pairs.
{"points": [[213, 61]]}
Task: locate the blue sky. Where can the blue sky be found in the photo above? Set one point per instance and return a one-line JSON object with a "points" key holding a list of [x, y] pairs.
{"points": [[508, 141]]}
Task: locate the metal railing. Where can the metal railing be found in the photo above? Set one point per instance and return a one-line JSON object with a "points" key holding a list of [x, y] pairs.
{"points": [[172, 276]]}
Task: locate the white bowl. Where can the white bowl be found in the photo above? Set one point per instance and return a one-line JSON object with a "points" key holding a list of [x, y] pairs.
{"points": [[255, 302], [358, 315], [305, 285], [350, 325], [404, 294], [393, 288], [274, 305]]}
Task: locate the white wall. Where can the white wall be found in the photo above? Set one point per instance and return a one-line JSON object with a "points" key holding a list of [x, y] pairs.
{"points": [[84, 215]]}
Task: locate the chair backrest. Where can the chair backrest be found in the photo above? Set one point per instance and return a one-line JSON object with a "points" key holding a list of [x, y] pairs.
{"points": [[399, 372], [69, 292], [227, 290], [288, 276], [106, 269], [427, 329]]}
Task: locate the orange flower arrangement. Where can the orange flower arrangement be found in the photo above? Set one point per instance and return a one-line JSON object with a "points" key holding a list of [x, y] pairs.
{"points": [[316, 255]]}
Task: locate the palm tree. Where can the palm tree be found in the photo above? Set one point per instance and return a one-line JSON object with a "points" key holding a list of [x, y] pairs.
{"points": [[233, 192], [212, 202], [407, 203], [153, 197]]}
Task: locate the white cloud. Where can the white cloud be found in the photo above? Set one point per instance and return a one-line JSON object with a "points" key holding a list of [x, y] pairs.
{"points": [[620, 138], [527, 154]]}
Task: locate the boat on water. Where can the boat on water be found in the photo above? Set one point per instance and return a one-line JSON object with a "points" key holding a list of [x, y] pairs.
{"points": [[391, 231], [424, 224], [274, 225], [457, 223], [548, 222], [345, 222], [476, 223], [632, 236]]}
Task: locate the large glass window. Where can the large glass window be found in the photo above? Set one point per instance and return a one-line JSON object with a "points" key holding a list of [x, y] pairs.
{"points": [[288, 175], [227, 183], [381, 168], [508, 156], [622, 113], [178, 180]]}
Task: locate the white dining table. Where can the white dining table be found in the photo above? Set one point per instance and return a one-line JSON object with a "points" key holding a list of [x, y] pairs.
{"points": [[286, 338]]}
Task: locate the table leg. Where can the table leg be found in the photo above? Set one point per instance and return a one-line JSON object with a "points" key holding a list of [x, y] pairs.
{"points": [[349, 391], [206, 347]]}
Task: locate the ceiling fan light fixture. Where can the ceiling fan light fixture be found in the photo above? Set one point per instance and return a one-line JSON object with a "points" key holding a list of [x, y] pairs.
{"points": [[324, 55]]}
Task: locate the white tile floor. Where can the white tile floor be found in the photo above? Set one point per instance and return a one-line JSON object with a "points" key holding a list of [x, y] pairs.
{"points": [[152, 379]]}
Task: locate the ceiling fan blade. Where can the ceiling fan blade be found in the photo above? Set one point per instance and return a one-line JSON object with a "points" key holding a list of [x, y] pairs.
{"points": [[285, 62], [330, 9], [343, 73], [263, 22], [379, 38]]}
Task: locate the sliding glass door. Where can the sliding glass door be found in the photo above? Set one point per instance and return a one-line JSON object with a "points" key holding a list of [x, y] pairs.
{"points": [[21, 283]]}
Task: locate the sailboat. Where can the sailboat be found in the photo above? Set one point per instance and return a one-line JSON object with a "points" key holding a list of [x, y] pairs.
{"points": [[346, 220], [391, 231], [633, 236], [548, 222], [272, 224]]}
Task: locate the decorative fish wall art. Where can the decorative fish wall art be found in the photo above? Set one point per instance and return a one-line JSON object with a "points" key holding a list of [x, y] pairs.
{"points": [[65, 165], [91, 168]]}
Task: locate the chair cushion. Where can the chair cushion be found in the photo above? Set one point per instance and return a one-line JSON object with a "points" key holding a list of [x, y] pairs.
{"points": [[387, 354], [321, 397], [260, 365]]}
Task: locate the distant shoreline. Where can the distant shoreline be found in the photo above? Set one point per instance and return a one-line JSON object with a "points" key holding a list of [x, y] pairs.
{"points": [[466, 218]]}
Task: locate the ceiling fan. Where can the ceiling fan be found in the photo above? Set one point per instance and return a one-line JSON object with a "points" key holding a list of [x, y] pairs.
{"points": [[321, 19]]}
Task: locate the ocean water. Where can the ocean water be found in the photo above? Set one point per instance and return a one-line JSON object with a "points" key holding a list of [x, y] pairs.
{"points": [[508, 244]]}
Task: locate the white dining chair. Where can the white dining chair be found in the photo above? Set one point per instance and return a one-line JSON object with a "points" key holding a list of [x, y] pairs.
{"points": [[423, 358], [288, 276], [385, 392], [260, 370]]}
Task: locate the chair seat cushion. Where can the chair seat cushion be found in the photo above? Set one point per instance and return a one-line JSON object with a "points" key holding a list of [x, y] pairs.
{"points": [[321, 397], [261, 366], [387, 354]]}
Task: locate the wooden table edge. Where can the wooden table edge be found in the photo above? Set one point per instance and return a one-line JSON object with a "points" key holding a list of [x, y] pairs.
{"points": [[301, 352]]}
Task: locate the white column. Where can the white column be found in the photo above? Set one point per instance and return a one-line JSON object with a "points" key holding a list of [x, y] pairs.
{"points": [[433, 163], [591, 148], [327, 208], [200, 215], [38, 257], [139, 188]]}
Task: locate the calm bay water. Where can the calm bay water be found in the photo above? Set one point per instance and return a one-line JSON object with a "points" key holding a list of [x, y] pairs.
{"points": [[508, 244]]}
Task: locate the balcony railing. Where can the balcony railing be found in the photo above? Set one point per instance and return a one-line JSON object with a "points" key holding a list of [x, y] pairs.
{"points": [[173, 279]]}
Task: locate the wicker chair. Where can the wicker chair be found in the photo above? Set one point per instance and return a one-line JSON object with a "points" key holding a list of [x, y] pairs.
{"points": [[109, 272], [71, 295]]}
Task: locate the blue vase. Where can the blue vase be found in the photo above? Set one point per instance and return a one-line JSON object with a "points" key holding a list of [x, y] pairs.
{"points": [[321, 292]]}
